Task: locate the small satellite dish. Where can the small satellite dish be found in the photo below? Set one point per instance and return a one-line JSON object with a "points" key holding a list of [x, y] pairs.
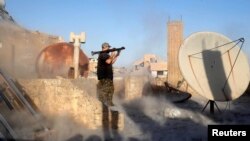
{"points": [[214, 66], [2, 4]]}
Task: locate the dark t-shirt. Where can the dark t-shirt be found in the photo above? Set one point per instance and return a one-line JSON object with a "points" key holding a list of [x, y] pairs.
{"points": [[104, 70]]}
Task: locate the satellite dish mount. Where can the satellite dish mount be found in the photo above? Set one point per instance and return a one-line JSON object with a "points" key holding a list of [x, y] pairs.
{"points": [[212, 103]]}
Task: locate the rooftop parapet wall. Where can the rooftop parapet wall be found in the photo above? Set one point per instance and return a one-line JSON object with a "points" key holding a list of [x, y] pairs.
{"points": [[77, 98], [136, 87]]}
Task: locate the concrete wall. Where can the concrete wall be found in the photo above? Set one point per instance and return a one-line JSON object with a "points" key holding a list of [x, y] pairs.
{"points": [[20, 47]]}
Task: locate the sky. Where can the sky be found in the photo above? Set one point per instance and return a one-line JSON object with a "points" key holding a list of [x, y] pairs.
{"points": [[138, 25]]}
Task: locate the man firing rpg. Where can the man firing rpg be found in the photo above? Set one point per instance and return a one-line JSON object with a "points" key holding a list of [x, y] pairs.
{"points": [[105, 86]]}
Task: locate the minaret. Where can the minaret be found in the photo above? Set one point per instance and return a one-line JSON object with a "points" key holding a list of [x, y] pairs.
{"points": [[175, 39]]}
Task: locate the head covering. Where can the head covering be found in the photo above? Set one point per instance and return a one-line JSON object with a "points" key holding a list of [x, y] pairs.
{"points": [[105, 44]]}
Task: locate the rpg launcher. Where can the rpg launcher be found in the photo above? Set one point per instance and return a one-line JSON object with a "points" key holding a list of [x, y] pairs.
{"points": [[107, 51]]}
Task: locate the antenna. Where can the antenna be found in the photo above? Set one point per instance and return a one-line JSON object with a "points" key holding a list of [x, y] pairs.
{"points": [[214, 66]]}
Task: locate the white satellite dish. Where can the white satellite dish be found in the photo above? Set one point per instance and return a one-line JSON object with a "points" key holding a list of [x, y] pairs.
{"points": [[2, 4], [214, 66]]}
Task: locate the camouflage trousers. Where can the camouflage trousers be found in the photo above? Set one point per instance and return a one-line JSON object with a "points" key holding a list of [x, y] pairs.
{"points": [[105, 91]]}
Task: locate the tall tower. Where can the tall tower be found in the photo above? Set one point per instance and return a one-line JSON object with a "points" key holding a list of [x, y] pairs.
{"points": [[175, 39]]}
